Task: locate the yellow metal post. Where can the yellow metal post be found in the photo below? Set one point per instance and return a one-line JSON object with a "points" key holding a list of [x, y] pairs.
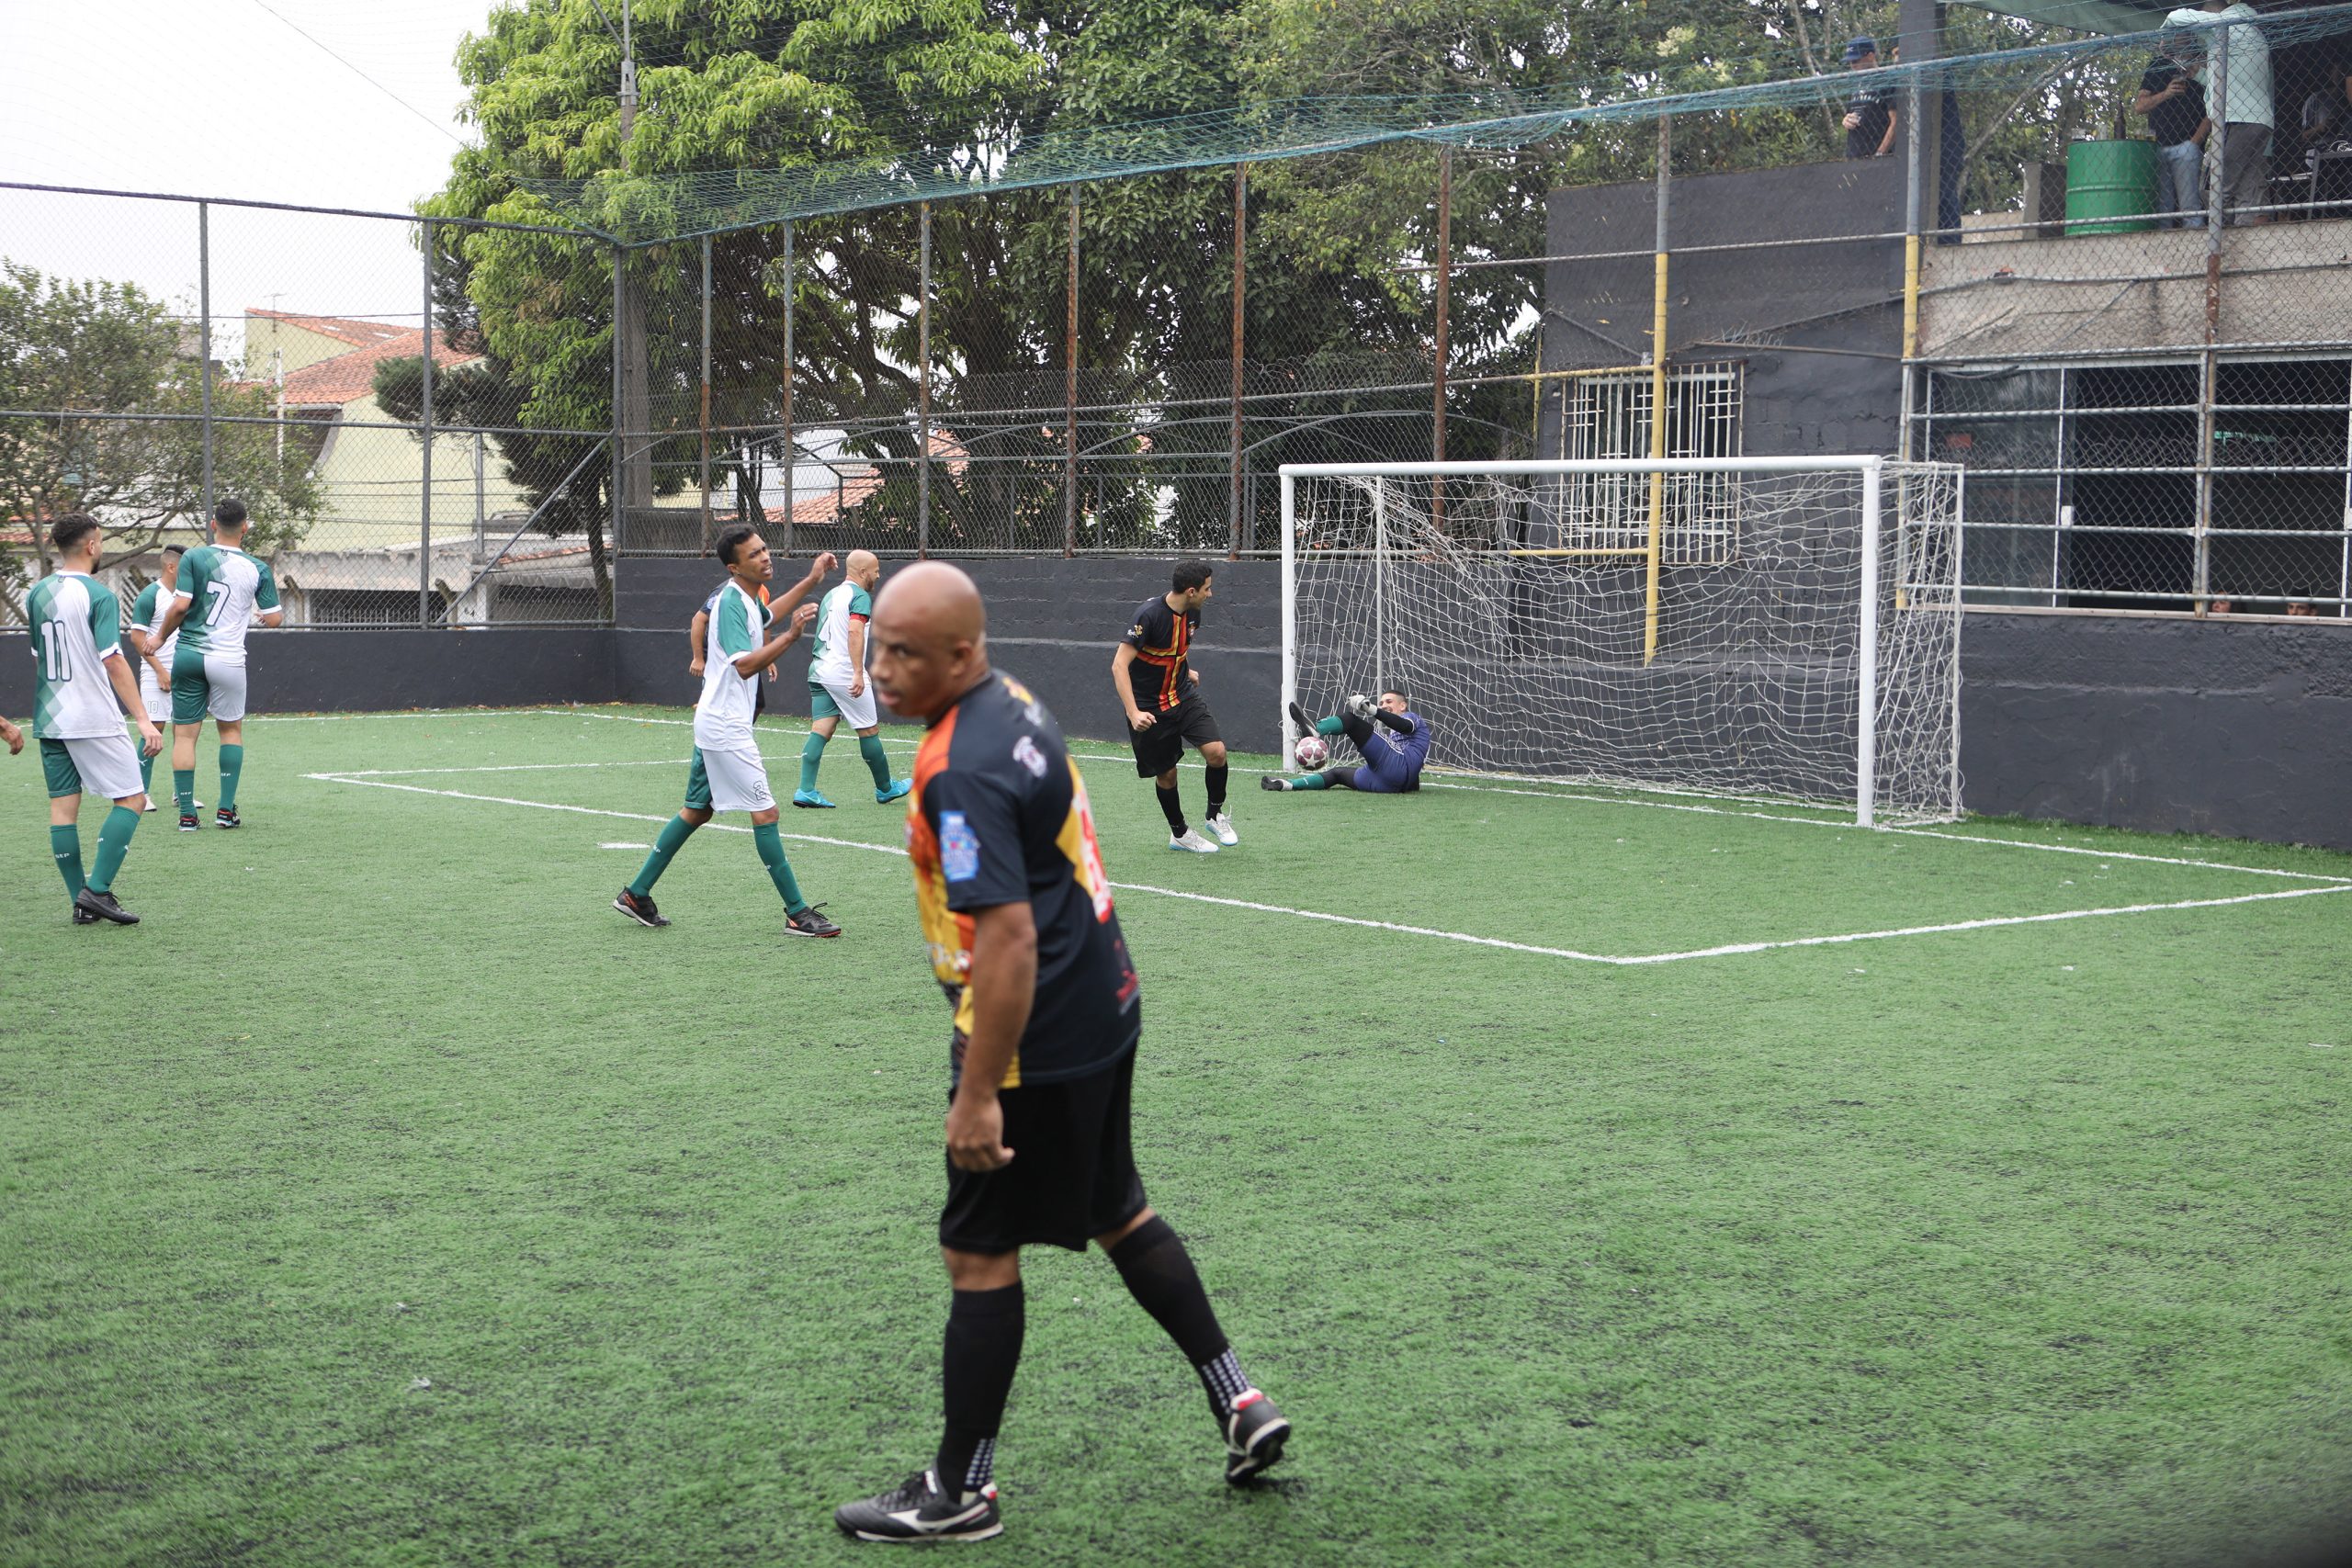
{"points": [[1658, 404]]}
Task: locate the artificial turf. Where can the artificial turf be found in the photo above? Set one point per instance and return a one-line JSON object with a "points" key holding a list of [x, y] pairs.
{"points": [[384, 1198]]}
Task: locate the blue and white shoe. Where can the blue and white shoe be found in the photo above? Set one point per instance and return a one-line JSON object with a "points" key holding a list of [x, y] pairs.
{"points": [[810, 800], [1192, 842], [898, 787]]}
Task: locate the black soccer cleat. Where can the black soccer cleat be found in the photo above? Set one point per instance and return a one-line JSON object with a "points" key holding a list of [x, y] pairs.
{"points": [[808, 923], [918, 1509], [1254, 1436], [640, 908], [101, 906], [83, 917], [1268, 781], [226, 818], [190, 822], [1298, 717]]}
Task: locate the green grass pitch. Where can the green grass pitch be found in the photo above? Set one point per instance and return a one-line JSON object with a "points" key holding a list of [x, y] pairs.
{"points": [[387, 1199]]}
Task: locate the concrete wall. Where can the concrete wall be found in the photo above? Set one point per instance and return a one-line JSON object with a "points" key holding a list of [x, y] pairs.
{"points": [[1051, 622], [2240, 727], [363, 671]]}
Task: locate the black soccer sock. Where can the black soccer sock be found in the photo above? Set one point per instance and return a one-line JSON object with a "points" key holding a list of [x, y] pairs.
{"points": [[1158, 1273], [1356, 729], [1171, 808], [1216, 789], [984, 1329]]}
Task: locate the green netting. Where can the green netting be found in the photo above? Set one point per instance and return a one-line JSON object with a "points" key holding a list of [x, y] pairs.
{"points": [[649, 209]]}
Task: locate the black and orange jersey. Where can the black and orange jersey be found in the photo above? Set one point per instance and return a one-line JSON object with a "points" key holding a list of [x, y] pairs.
{"points": [[1000, 816], [1160, 637]]}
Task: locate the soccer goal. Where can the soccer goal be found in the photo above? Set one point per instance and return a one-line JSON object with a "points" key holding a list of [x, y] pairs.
{"points": [[1782, 628]]}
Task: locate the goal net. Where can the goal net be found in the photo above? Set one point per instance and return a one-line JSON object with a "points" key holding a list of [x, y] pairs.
{"points": [[1764, 627]]}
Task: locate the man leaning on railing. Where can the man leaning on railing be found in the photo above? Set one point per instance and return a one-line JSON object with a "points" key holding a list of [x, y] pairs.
{"points": [[2174, 102], [2246, 113]]}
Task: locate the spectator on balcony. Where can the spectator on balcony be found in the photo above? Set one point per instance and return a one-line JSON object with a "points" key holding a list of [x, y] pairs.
{"points": [[2174, 102], [2246, 113], [2327, 133], [1869, 114]]}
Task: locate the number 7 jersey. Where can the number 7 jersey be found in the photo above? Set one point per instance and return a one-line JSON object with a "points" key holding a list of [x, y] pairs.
{"points": [[227, 588]]}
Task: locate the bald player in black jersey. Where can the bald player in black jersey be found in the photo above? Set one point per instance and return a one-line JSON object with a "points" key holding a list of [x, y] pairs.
{"points": [[1017, 911]]}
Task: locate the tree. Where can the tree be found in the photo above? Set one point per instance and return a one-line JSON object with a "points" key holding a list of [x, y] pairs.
{"points": [[106, 368]]}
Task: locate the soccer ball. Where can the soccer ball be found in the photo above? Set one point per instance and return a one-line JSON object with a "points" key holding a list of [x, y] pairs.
{"points": [[1310, 751]]}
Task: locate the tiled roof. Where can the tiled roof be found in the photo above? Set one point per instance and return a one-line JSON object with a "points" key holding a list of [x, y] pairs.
{"points": [[834, 502], [359, 335], [350, 377]]}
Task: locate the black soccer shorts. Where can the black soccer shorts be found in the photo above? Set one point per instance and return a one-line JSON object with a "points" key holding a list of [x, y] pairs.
{"points": [[1162, 747], [1073, 1172]]}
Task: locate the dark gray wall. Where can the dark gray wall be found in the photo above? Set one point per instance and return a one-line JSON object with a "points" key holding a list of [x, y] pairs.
{"points": [[2238, 728], [1820, 330], [1051, 622], [367, 670]]}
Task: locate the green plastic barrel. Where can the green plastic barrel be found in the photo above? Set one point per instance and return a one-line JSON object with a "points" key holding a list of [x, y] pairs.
{"points": [[2110, 185]]}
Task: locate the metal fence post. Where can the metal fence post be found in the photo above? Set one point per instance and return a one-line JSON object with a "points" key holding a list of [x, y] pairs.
{"points": [[2215, 211], [1069, 392], [922, 392], [615, 457], [791, 457], [424, 498], [204, 346], [703, 471], [1240, 286], [1444, 297], [1658, 394], [1911, 206]]}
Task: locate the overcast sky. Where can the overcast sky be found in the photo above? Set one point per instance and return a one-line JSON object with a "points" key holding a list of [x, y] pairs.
{"points": [[229, 98]]}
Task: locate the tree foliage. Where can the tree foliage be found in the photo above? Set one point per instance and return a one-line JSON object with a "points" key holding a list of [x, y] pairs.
{"points": [[71, 348]]}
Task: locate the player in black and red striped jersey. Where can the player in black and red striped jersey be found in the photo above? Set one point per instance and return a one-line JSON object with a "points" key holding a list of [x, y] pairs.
{"points": [[1155, 678], [1016, 910]]}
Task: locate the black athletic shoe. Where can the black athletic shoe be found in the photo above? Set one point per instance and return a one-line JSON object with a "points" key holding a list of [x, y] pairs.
{"points": [[918, 1510], [189, 822], [226, 818], [1298, 717], [101, 906], [810, 923], [638, 908], [1254, 1436], [83, 917], [1268, 781]]}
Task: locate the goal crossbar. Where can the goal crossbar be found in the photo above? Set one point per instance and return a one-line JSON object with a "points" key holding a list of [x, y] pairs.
{"points": [[1870, 476]]}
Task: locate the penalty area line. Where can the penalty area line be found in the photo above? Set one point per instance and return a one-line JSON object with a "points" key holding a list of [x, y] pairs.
{"points": [[1625, 961]]}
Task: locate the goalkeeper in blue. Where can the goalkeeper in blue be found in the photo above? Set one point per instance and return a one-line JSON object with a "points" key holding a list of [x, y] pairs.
{"points": [[1392, 761]]}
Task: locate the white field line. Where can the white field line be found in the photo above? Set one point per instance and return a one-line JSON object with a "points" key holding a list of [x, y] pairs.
{"points": [[1463, 936], [1483, 789]]}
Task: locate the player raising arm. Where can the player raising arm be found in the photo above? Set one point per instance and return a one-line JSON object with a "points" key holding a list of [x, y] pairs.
{"points": [[220, 591], [727, 774], [1391, 766], [79, 676]]}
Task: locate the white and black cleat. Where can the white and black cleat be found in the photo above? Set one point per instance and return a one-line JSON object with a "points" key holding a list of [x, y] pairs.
{"points": [[640, 908], [919, 1510], [1254, 1436]]}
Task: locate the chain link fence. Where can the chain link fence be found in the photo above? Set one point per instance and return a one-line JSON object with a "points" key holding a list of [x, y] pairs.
{"points": [[1995, 254]]}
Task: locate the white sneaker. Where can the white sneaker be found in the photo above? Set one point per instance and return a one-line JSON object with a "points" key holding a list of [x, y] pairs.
{"points": [[1191, 839], [151, 803], [1222, 826]]}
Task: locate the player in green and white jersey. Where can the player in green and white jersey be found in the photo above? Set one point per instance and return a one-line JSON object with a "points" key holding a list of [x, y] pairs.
{"points": [[82, 686], [837, 686], [727, 774], [209, 671], [154, 655]]}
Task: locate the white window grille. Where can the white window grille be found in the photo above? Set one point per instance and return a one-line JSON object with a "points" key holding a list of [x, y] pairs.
{"points": [[1607, 417]]}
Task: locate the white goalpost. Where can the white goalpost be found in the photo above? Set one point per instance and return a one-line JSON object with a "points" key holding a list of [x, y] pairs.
{"points": [[1775, 627]]}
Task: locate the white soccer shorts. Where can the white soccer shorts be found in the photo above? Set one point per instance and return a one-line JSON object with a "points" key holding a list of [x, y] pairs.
{"points": [[223, 690], [859, 710], [739, 779], [154, 695], [108, 765]]}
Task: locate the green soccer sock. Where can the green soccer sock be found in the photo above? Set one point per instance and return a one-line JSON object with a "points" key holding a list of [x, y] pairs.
{"points": [[65, 843], [812, 751], [146, 771], [1310, 781], [1334, 724], [114, 842], [877, 761], [183, 790], [770, 846], [233, 762], [673, 837]]}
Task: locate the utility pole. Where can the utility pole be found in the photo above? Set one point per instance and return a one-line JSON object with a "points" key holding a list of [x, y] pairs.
{"points": [[632, 412]]}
